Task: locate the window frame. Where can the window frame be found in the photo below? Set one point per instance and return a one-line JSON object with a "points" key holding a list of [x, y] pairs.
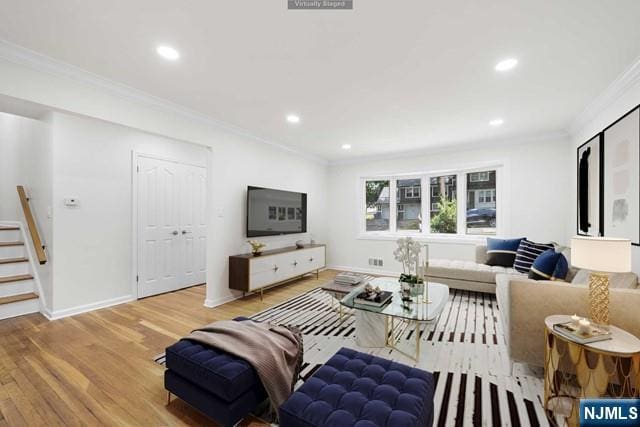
{"points": [[425, 181]]}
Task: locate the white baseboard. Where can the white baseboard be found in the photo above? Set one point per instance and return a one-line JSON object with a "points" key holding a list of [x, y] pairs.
{"points": [[210, 303], [59, 314], [374, 271]]}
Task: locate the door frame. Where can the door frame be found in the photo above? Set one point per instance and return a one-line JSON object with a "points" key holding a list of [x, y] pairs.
{"points": [[135, 156]]}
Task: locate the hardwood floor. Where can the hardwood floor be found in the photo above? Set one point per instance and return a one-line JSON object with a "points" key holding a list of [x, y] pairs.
{"points": [[97, 368]]}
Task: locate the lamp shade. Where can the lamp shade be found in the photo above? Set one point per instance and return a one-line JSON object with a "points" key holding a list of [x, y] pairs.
{"points": [[605, 254]]}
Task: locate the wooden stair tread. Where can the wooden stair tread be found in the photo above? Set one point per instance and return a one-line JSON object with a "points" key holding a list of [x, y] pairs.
{"points": [[11, 243], [18, 298], [16, 278], [13, 260], [8, 228]]}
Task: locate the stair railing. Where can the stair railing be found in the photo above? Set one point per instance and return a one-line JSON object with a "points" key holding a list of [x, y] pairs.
{"points": [[31, 224]]}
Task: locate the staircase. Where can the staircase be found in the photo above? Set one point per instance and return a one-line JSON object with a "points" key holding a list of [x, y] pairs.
{"points": [[17, 284]]}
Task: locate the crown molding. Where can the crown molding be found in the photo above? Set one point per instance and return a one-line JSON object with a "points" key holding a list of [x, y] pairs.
{"points": [[615, 90], [466, 145], [25, 57]]}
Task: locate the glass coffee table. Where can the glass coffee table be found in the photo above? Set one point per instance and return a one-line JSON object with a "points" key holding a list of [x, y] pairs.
{"points": [[374, 325]]}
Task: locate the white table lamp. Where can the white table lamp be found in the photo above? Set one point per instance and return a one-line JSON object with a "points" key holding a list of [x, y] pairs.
{"points": [[601, 255]]}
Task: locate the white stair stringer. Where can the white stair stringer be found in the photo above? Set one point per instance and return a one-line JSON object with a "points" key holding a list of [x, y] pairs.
{"points": [[20, 290]]}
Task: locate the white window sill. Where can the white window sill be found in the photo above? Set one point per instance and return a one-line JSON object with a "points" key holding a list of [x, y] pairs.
{"points": [[457, 239]]}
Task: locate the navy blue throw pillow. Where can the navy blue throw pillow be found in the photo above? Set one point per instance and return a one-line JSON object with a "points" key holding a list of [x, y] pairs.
{"points": [[544, 266], [561, 270], [528, 251], [502, 251]]}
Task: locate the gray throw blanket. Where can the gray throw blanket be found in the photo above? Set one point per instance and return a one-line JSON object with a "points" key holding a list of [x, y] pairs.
{"points": [[275, 352]]}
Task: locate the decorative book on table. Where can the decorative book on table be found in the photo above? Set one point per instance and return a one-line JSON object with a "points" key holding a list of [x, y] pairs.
{"points": [[570, 331], [373, 299], [348, 278]]}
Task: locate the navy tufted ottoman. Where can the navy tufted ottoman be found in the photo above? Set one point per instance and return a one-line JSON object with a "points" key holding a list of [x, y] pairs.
{"points": [[358, 389], [222, 386]]}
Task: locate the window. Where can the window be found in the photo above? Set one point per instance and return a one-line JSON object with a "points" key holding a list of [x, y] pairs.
{"points": [[282, 213], [478, 176], [481, 202], [272, 213], [291, 213], [378, 207], [412, 192], [444, 218], [409, 207], [455, 203]]}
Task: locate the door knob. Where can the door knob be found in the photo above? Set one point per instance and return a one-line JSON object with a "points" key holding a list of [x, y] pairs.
{"points": [[174, 232], [186, 232], [295, 263], [275, 268]]}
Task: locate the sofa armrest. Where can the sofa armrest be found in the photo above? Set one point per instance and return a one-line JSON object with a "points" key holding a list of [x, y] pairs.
{"points": [[530, 302], [481, 254]]}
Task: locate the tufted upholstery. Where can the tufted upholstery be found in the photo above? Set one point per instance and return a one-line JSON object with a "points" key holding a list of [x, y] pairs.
{"points": [[218, 372], [358, 389], [466, 270]]}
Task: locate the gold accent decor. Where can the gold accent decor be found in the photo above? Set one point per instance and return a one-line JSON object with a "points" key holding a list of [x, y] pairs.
{"points": [[573, 371], [599, 298]]}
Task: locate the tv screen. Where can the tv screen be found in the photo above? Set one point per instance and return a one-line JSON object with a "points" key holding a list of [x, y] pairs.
{"points": [[274, 212]]}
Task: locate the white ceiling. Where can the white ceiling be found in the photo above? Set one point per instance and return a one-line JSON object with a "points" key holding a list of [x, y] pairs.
{"points": [[388, 76]]}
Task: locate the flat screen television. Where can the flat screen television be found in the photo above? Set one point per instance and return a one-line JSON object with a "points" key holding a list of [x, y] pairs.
{"points": [[274, 212]]}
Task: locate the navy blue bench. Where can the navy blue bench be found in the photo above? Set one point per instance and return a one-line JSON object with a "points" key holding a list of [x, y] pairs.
{"points": [[358, 389], [221, 386]]}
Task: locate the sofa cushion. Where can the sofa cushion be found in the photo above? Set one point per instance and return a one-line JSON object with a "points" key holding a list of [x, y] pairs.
{"points": [[360, 389], [550, 265], [616, 280], [466, 270], [528, 251], [502, 251], [220, 373]]}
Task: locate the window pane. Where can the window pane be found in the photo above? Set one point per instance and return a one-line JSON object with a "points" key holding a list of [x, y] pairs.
{"points": [[481, 202], [377, 205], [409, 204], [444, 209]]}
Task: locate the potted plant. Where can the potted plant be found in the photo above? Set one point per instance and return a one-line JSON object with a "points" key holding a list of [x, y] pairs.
{"points": [[256, 247], [408, 253]]}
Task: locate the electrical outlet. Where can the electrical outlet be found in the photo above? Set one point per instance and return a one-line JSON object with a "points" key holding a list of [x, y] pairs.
{"points": [[376, 262]]}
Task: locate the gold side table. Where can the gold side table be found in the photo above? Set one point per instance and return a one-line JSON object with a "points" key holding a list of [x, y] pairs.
{"points": [[575, 371]]}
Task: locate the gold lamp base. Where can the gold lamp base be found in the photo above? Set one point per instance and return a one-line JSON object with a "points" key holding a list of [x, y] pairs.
{"points": [[599, 298]]}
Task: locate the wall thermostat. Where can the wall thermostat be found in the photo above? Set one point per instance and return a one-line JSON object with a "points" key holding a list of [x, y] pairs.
{"points": [[72, 202]]}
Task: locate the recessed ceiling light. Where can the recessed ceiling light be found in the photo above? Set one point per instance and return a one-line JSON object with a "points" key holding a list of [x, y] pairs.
{"points": [[167, 52], [346, 146], [292, 118], [506, 64], [496, 122]]}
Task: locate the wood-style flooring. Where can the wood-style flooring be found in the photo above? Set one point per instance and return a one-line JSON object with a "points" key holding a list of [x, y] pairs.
{"points": [[97, 368]]}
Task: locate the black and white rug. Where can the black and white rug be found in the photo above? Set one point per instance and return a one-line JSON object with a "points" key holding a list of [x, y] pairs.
{"points": [[464, 349]]}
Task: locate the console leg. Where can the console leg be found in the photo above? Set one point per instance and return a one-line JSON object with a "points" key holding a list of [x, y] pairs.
{"points": [[168, 397], [261, 294]]}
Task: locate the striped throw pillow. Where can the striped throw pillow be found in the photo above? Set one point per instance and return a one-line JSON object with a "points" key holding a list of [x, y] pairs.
{"points": [[527, 253]]}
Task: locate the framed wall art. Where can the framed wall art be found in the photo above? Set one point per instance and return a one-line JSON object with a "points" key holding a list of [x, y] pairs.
{"points": [[622, 177], [590, 187]]}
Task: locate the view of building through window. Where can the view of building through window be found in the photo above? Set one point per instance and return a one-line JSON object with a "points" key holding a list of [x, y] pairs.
{"points": [[378, 205], [408, 204], [481, 202]]}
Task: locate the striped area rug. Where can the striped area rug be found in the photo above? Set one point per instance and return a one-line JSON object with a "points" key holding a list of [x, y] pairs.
{"points": [[464, 349]]}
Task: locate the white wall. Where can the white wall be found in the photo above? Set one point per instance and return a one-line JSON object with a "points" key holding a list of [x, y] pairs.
{"points": [[536, 191], [25, 159], [92, 161], [238, 159], [629, 99]]}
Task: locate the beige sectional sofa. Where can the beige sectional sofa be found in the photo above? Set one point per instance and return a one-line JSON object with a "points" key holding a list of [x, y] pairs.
{"points": [[524, 303], [468, 275]]}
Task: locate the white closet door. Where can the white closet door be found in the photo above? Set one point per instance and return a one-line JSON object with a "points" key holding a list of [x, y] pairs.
{"points": [[158, 227], [193, 220], [172, 226]]}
